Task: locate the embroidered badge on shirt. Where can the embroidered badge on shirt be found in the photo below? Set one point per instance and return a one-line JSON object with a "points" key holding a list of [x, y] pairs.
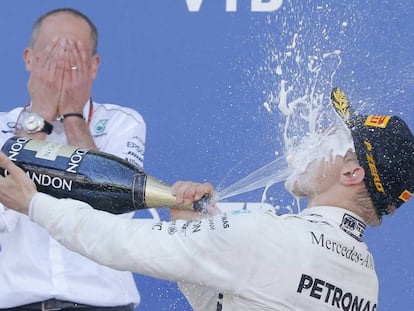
{"points": [[353, 226], [100, 126]]}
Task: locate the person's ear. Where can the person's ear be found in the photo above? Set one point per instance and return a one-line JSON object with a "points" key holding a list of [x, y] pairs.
{"points": [[95, 64], [352, 175], [28, 58]]}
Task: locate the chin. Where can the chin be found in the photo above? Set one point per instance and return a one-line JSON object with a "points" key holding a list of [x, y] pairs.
{"points": [[292, 186], [300, 185]]}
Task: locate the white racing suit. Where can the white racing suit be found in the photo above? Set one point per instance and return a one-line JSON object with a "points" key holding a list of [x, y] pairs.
{"points": [[240, 260]]}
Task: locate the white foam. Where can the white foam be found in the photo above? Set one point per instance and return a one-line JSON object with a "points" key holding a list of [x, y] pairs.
{"points": [[323, 147], [303, 73]]}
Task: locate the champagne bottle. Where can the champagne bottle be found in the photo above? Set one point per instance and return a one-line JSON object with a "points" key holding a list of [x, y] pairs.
{"points": [[104, 181]]}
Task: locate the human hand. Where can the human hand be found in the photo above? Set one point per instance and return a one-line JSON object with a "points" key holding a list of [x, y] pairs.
{"points": [[16, 189], [46, 76], [77, 81], [61, 76], [187, 193]]}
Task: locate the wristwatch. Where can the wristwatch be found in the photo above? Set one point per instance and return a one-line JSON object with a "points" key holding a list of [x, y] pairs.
{"points": [[33, 123]]}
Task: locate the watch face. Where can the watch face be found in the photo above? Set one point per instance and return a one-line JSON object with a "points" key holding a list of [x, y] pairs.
{"points": [[33, 123]]}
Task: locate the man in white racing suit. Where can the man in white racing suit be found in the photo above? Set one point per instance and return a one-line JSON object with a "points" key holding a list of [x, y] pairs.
{"points": [[253, 259]]}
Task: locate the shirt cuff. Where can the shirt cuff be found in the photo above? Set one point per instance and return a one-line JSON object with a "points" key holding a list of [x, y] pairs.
{"points": [[39, 203]]}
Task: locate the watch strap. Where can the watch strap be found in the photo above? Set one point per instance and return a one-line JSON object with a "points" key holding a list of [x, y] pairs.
{"points": [[47, 127], [67, 115]]}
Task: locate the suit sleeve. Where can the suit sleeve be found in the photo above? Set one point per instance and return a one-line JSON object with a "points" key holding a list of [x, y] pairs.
{"points": [[205, 252]]}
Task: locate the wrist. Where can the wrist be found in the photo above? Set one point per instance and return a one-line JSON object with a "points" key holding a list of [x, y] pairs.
{"points": [[30, 208], [75, 115], [46, 116], [44, 113], [33, 123]]}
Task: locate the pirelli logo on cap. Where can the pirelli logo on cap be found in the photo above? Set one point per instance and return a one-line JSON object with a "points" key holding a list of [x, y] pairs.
{"points": [[405, 195], [373, 168], [377, 121]]}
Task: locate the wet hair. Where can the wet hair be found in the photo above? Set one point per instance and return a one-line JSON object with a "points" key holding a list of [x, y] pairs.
{"points": [[38, 24]]}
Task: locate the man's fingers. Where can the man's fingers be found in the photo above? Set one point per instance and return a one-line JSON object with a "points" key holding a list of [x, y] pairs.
{"points": [[188, 192], [6, 163], [78, 57], [177, 191], [17, 189], [204, 188]]}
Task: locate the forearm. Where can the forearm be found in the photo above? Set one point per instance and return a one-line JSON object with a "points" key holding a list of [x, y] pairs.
{"points": [[174, 251], [74, 224], [78, 133], [117, 242]]}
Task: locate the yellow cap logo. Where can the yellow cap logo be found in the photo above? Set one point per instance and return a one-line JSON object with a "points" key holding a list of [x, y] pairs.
{"points": [[405, 195], [373, 167], [341, 104], [377, 121]]}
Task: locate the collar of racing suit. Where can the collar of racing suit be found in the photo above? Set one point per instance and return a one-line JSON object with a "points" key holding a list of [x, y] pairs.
{"points": [[348, 221]]}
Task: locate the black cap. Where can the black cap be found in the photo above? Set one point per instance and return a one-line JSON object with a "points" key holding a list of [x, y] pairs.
{"points": [[384, 146]]}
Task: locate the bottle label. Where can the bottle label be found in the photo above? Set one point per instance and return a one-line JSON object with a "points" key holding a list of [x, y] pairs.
{"points": [[25, 151], [53, 155], [48, 150]]}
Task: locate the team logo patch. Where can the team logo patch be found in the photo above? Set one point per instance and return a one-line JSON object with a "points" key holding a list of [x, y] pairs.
{"points": [[241, 211], [353, 226], [100, 126], [405, 195], [377, 121]]}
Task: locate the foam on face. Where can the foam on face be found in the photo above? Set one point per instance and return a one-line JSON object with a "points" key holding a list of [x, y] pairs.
{"points": [[324, 146]]}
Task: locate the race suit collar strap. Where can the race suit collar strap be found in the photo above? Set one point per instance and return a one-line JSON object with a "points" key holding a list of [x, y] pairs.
{"points": [[347, 221]]}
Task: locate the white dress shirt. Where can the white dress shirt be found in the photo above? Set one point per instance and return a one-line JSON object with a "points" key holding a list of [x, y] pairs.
{"points": [[35, 267], [248, 259]]}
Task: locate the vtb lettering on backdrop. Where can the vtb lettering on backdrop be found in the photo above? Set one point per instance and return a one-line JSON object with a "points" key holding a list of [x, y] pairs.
{"points": [[231, 5]]}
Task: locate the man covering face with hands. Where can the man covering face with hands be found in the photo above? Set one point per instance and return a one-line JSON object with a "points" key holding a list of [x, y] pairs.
{"points": [[62, 61]]}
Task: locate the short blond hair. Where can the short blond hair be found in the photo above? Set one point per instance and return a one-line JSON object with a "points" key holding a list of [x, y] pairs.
{"points": [[363, 201]]}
